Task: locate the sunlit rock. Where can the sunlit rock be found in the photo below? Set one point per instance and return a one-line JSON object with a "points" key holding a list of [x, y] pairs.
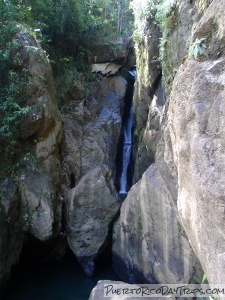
{"points": [[91, 209], [149, 244], [106, 68]]}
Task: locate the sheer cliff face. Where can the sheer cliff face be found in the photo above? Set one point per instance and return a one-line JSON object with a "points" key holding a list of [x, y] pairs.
{"points": [[175, 212], [196, 124], [29, 201]]}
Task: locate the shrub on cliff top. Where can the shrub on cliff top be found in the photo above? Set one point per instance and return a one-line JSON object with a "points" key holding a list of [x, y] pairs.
{"points": [[11, 16], [157, 9]]}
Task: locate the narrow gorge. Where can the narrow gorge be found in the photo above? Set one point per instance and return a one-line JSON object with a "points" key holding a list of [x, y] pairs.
{"points": [[116, 169], [125, 149]]}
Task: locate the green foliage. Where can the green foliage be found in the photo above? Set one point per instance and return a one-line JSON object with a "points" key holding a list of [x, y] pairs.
{"points": [[165, 15], [196, 48], [31, 160], [71, 29], [8, 219], [10, 110], [181, 231], [204, 278], [166, 19], [141, 11], [161, 11], [12, 13], [68, 30], [161, 14], [12, 79]]}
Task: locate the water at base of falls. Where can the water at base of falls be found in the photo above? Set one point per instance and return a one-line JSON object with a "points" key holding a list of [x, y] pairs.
{"points": [[54, 281]]}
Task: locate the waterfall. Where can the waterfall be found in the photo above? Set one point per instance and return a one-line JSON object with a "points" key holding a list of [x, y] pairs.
{"points": [[127, 138]]}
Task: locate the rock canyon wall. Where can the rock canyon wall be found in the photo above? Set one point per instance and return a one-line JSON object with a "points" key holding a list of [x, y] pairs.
{"points": [[63, 186], [173, 216], [171, 225]]}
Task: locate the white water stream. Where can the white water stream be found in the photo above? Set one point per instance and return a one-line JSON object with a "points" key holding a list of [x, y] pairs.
{"points": [[127, 145]]}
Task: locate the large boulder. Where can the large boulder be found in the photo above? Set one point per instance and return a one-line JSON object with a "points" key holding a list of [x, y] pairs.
{"points": [[196, 137], [91, 209], [186, 141], [115, 52], [40, 205], [155, 249], [91, 135], [91, 130], [76, 91], [43, 121], [108, 59], [40, 93], [41, 128]]}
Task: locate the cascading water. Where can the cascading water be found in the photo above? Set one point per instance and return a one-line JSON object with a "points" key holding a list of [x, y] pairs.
{"points": [[127, 138]]}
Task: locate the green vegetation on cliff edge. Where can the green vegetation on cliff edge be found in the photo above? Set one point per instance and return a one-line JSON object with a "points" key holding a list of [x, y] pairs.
{"points": [[68, 30]]}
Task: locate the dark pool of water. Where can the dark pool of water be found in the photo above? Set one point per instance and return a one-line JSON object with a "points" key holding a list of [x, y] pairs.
{"points": [[54, 281]]}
